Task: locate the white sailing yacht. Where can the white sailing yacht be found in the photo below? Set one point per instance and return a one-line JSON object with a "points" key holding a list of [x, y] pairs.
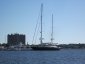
{"points": [[45, 46]]}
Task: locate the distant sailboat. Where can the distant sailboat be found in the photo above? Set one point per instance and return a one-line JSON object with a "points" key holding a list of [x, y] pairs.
{"points": [[45, 46]]}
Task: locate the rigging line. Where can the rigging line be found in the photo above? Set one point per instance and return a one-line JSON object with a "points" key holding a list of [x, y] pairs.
{"points": [[39, 26], [37, 32], [35, 29], [40, 23]]}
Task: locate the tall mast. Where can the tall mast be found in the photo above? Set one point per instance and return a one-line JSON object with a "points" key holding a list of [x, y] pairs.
{"points": [[52, 30], [41, 23]]}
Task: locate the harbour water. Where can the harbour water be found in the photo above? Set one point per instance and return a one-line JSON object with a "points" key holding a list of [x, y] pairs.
{"points": [[64, 56]]}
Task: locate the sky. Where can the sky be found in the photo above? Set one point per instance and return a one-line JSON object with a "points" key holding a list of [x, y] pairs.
{"points": [[21, 16]]}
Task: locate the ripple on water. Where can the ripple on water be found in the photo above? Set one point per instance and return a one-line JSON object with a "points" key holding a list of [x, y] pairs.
{"points": [[43, 57]]}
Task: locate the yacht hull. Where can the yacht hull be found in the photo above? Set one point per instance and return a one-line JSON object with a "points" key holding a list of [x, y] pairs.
{"points": [[44, 48]]}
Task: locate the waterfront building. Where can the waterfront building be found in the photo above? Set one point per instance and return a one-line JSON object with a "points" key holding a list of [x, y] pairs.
{"points": [[15, 39]]}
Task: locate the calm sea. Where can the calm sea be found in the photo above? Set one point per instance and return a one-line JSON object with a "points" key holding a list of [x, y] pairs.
{"points": [[64, 56]]}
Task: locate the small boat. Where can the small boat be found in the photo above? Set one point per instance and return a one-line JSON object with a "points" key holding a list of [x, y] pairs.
{"points": [[45, 46]]}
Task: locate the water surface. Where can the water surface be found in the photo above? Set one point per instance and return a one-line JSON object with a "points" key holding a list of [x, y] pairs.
{"points": [[64, 56]]}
